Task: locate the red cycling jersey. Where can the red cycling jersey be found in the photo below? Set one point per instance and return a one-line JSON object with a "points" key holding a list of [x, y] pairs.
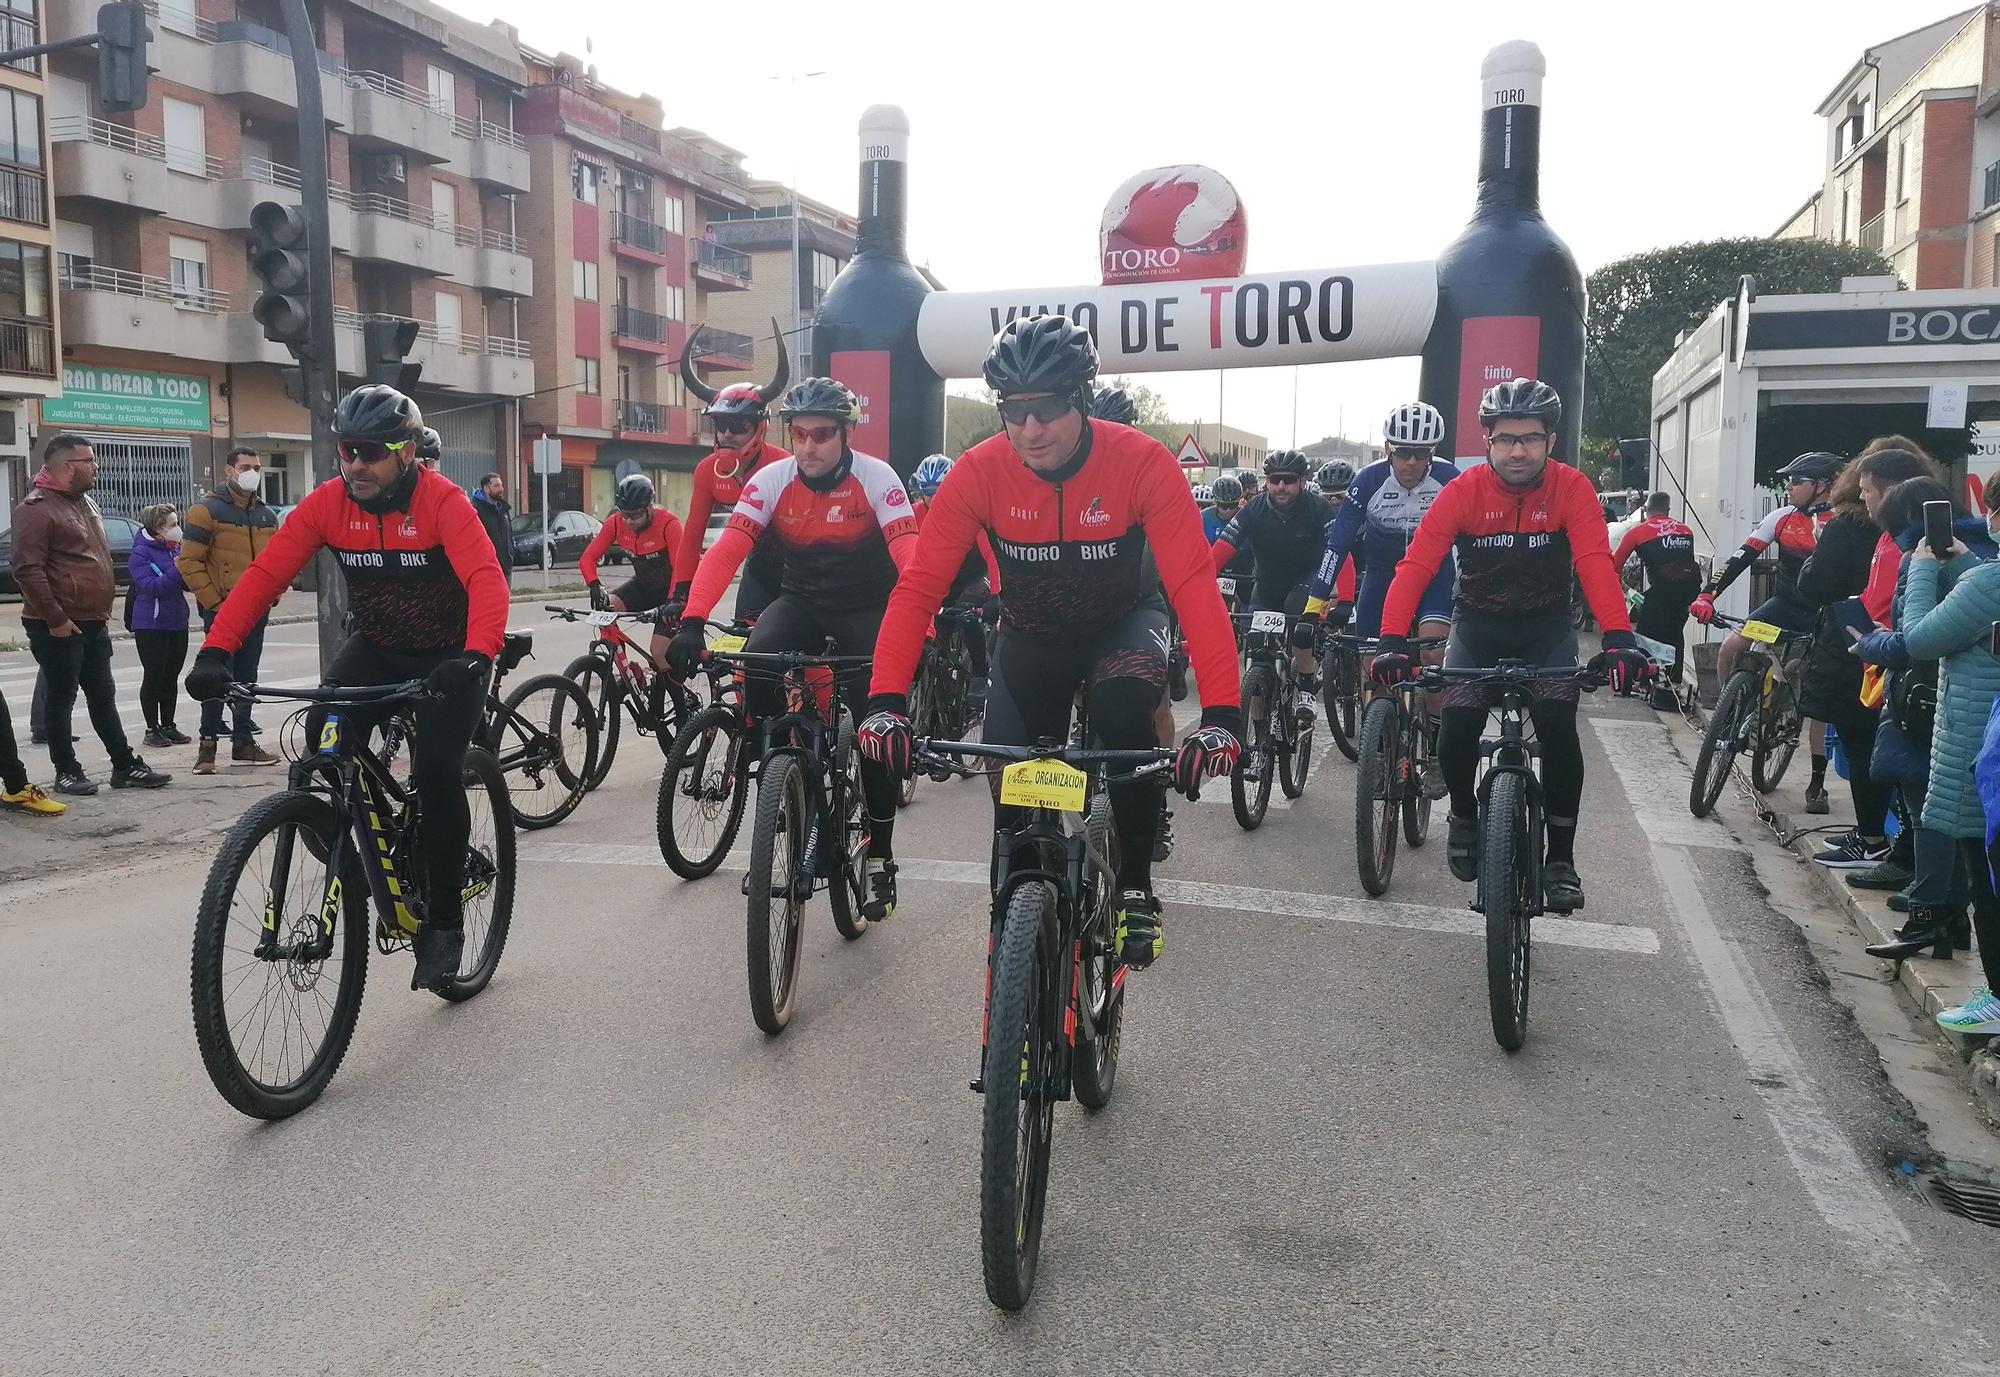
{"points": [[420, 579], [720, 484], [651, 550], [843, 536], [1665, 547], [1071, 546], [1515, 549]]}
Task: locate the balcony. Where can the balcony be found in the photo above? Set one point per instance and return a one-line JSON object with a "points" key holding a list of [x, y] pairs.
{"points": [[651, 419], [388, 229], [24, 196], [641, 239], [488, 152], [637, 329], [255, 62], [385, 110], [500, 261], [1871, 234], [725, 349], [27, 347], [102, 161], [457, 359], [721, 266], [111, 306]]}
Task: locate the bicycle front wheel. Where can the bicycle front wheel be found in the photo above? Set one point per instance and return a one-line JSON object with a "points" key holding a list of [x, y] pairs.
{"points": [[777, 909], [1778, 727], [1421, 736], [1100, 985], [702, 792], [601, 690], [280, 956], [1506, 868], [545, 739], [486, 885], [1375, 802], [1251, 798], [1017, 1116], [1295, 763], [1342, 695], [1719, 745]]}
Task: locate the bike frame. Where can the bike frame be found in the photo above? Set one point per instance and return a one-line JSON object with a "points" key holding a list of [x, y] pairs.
{"points": [[1515, 753]]}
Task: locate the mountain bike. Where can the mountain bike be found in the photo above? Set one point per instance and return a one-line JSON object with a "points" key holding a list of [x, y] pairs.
{"points": [[1340, 689], [1398, 776], [1055, 983], [709, 770], [619, 679], [1280, 742], [811, 828], [1513, 832], [282, 931], [1757, 711]]}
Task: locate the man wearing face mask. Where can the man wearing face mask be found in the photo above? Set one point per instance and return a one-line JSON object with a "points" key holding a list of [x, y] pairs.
{"points": [[428, 602], [223, 533]]}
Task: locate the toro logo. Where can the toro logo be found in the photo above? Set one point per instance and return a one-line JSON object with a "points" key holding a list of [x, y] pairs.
{"points": [[1094, 514], [1169, 223]]}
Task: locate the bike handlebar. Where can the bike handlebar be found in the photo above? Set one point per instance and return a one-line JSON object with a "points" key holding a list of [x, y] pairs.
{"points": [[1510, 672], [1785, 633], [333, 695]]}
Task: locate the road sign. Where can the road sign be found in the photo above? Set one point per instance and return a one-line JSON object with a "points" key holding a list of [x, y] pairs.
{"points": [[547, 456], [1191, 456]]}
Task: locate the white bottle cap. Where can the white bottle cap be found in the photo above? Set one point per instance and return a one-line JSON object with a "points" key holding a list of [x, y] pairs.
{"points": [[885, 134], [1512, 75]]}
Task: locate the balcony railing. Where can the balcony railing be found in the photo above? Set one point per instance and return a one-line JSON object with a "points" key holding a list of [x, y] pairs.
{"points": [[89, 129], [179, 17], [647, 418], [95, 277], [723, 259], [640, 234], [461, 340], [726, 343], [634, 323], [1871, 234], [20, 31], [24, 196], [632, 131], [476, 238], [27, 347]]}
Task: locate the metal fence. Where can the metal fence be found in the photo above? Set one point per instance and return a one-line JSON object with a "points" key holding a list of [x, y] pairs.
{"points": [[136, 471]]}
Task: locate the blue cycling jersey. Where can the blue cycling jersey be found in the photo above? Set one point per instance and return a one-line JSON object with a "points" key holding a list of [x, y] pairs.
{"points": [[1386, 511], [1242, 568]]}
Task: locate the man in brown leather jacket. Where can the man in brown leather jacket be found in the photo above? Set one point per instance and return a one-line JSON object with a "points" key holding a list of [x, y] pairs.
{"points": [[62, 562]]}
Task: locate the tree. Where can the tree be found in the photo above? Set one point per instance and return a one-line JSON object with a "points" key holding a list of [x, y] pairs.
{"points": [[1638, 305]]}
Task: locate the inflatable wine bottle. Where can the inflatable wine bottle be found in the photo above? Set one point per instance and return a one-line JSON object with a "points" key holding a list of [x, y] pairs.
{"points": [[1511, 303], [866, 332]]}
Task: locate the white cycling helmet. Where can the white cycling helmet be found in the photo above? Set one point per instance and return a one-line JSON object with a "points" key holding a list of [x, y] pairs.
{"points": [[1414, 425], [1203, 496]]}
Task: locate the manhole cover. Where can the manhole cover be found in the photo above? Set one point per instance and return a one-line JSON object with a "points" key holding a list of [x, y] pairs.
{"points": [[1961, 1195]]}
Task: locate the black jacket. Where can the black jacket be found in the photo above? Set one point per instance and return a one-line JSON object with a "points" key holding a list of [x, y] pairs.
{"points": [[1837, 569], [494, 517]]}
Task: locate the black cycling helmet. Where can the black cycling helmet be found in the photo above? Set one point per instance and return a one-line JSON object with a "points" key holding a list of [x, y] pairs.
{"points": [[376, 411], [1526, 398], [633, 494], [1816, 467], [1335, 475], [1111, 404], [1285, 461], [430, 445], [1226, 489], [1042, 354], [821, 397], [1247, 478]]}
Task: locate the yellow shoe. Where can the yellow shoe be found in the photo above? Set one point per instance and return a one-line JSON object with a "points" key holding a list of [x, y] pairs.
{"points": [[32, 800]]}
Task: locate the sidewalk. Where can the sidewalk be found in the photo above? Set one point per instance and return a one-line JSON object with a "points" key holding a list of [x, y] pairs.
{"points": [[1927, 985]]}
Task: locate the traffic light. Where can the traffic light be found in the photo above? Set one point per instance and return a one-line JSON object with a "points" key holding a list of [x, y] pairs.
{"points": [[1635, 463], [278, 257], [386, 344], [121, 57]]}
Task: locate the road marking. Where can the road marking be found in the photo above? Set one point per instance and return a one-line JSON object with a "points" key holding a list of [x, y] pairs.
{"points": [[1826, 1163], [1328, 908], [1643, 755]]}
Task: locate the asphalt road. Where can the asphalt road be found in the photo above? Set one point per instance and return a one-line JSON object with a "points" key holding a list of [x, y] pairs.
{"points": [[1317, 1160]]}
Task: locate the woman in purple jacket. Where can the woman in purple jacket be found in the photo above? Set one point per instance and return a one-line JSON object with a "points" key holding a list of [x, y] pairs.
{"points": [[159, 621]]}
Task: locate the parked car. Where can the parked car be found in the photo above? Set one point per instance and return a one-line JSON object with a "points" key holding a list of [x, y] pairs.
{"points": [[119, 529], [569, 532]]}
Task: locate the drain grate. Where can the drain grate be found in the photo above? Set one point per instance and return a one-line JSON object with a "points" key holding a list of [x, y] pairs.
{"points": [[1961, 1195]]}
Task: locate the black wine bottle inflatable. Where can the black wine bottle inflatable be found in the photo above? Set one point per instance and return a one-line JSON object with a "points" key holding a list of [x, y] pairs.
{"points": [[1511, 303], [866, 333]]}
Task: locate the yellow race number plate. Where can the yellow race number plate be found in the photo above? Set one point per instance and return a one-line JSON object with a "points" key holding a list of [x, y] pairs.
{"points": [[727, 645], [1044, 784], [1762, 632]]}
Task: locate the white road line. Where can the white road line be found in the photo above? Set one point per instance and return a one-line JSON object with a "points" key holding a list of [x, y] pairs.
{"points": [[1328, 908], [1657, 783], [1826, 1163]]}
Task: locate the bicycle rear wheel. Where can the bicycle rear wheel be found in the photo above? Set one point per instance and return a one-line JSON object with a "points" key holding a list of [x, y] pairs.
{"points": [[1375, 805], [1017, 1115], [777, 909], [702, 793], [847, 890], [1421, 735], [1250, 798], [1719, 745], [1779, 724], [1505, 867], [487, 885], [1342, 695], [273, 1028], [1101, 981], [545, 740], [606, 698]]}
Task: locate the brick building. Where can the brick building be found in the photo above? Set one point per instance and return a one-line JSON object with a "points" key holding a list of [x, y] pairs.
{"points": [[163, 363], [783, 287], [29, 339], [1913, 154]]}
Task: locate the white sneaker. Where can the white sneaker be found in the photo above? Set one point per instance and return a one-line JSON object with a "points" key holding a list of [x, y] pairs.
{"points": [[1977, 1016]]}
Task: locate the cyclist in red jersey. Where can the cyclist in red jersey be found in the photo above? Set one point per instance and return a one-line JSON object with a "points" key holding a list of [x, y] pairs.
{"points": [[1665, 548], [1073, 505], [843, 525], [649, 535], [740, 417], [1519, 524], [1794, 530], [428, 602]]}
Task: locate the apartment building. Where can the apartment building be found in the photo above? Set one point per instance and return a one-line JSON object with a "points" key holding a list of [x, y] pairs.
{"points": [[162, 363], [787, 287], [1912, 164], [617, 230], [28, 331]]}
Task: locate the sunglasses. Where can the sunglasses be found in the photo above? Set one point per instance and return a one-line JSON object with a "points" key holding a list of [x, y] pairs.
{"points": [[734, 427], [813, 435], [1397, 452], [1282, 480], [369, 451], [1016, 411]]}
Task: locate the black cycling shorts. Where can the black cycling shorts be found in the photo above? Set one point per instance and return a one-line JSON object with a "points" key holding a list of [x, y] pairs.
{"points": [[1034, 680], [1480, 640], [641, 594]]}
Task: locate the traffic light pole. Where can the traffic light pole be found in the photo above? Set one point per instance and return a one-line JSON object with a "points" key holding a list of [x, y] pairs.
{"points": [[319, 364]]}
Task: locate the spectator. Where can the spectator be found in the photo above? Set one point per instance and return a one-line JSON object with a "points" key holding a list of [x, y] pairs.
{"points": [[225, 531], [157, 612], [62, 562], [15, 790], [490, 501]]}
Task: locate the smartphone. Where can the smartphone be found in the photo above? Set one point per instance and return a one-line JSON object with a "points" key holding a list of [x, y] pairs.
{"points": [[1849, 613], [1937, 527], [1993, 632]]}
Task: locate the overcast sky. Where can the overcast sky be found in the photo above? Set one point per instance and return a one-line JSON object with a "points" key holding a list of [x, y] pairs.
{"points": [[1350, 133]]}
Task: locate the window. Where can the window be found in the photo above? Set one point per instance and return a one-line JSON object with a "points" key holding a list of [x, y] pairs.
{"points": [[186, 137], [20, 128], [443, 89], [671, 215], [76, 250], [589, 378], [673, 302], [1902, 169], [584, 179], [624, 290], [624, 382], [450, 321], [444, 206], [187, 268], [583, 280], [24, 281], [669, 382], [825, 268], [179, 16]]}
